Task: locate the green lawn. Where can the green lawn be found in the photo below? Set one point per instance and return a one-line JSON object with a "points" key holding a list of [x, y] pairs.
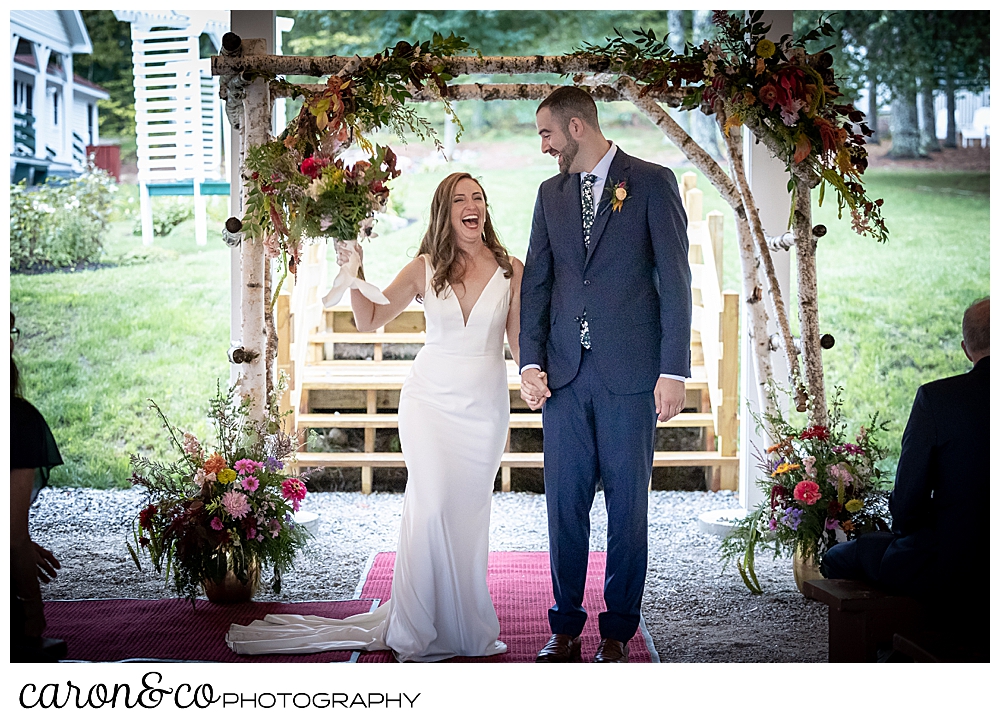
{"points": [[96, 344]]}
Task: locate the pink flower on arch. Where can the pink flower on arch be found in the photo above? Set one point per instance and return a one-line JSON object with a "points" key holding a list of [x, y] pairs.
{"points": [[250, 484], [236, 504], [807, 491]]}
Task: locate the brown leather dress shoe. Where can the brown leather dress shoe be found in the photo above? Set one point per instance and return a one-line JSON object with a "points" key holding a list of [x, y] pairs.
{"points": [[611, 651], [560, 649]]}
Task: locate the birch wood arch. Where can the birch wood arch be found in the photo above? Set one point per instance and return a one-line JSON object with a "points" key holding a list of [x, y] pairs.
{"points": [[248, 86]]}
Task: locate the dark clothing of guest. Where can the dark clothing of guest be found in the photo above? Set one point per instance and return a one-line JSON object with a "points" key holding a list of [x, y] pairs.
{"points": [[938, 549], [32, 445]]}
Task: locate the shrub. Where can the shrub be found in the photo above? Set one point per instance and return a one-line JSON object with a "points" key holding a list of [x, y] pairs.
{"points": [[168, 213], [59, 224]]}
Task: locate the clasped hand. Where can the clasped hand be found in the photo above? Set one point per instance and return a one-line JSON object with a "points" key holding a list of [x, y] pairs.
{"points": [[535, 388]]}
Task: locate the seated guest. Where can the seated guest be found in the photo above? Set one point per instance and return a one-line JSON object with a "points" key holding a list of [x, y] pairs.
{"points": [[33, 453], [938, 549]]}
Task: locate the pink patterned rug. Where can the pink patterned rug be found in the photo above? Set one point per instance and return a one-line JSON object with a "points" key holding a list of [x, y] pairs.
{"points": [[171, 629]]}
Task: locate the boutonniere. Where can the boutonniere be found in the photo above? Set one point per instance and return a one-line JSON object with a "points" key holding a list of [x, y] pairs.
{"points": [[619, 192]]}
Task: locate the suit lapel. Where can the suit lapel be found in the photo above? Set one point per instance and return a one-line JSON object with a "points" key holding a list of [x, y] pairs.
{"points": [[616, 174], [572, 212]]}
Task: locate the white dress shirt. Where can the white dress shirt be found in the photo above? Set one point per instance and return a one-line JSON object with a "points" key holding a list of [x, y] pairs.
{"points": [[601, 171]]}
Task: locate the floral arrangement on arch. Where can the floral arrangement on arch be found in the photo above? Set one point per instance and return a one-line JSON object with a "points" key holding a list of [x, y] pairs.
{"points": [[221, 508], [820, 483], [298, 188], [776, 88]]}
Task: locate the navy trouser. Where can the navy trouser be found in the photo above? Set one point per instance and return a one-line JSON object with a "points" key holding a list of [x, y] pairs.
{"points": [[858, 559], [591, 434]]}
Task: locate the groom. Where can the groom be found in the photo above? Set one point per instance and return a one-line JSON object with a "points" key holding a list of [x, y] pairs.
{"points": [[605, 346]]}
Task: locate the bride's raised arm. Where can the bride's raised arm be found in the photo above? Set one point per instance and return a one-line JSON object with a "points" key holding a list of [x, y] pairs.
{"points": [[369, 316], [514, 312]]}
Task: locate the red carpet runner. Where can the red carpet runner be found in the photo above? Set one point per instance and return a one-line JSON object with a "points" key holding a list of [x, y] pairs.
{"points": [[113, 630]]}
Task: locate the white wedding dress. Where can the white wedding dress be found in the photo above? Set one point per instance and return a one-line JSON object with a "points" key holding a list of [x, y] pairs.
{"points": [[454, 409]]}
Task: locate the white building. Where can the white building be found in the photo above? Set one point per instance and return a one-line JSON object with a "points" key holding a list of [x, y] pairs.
{"points": [[54, 112]]}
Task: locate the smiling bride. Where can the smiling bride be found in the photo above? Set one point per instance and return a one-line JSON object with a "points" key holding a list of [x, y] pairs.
{"points": [[454, 409]]}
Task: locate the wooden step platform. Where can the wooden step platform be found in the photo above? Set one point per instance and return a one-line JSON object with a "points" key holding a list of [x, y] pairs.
{"points": [[517, 421], [510, 459], [390, 375]]}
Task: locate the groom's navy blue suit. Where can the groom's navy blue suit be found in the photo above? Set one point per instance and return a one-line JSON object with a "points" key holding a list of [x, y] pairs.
{"points": [[634, 282]]}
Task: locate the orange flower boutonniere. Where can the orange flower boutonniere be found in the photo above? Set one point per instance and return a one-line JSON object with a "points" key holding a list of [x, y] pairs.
{"points": [[618, 195]]}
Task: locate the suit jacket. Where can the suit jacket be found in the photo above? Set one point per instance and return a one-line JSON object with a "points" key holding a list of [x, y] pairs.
{"points": [[940, 502], [634, 280]]}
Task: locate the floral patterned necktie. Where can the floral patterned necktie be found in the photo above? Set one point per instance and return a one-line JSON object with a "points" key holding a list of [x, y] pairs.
{"points": [[587, 199]]}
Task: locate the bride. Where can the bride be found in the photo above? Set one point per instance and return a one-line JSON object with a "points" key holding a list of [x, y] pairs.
{"points": [[454, 409]]}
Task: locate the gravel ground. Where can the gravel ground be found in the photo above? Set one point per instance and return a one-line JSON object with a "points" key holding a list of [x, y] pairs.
{"points": [[695, 610]]}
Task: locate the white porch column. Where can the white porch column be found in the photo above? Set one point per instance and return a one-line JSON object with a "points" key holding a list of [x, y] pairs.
{"points": [[39, 101], [68, 103], [246, 24], [768, 183]]}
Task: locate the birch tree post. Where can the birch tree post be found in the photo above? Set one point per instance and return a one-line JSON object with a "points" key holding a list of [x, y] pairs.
{"points": [[253, 377], [734, 144], [805, 258]]}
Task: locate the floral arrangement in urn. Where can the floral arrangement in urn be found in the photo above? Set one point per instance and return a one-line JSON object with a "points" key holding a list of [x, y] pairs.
{"points": [[820, 482], [222, 509]]}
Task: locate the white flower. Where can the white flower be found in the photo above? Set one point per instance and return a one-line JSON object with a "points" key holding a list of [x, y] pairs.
{"points": [[315, 188]]}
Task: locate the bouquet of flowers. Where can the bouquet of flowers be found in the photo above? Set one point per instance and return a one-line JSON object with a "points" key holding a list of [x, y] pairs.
{"points": [[817, 484], [219, 509], [297, 186]]}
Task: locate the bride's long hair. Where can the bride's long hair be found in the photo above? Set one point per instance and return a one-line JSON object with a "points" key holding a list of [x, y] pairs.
{"points": [[439, 242]]}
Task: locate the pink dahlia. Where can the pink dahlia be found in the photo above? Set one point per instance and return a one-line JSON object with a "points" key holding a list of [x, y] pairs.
{"points": [[216, 524], [807, 491], [236, 504], [247, 466], [250, 483], [293, 489]]}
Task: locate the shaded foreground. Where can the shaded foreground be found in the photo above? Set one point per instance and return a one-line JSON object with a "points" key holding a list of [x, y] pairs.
{"points": [[695, 610]]}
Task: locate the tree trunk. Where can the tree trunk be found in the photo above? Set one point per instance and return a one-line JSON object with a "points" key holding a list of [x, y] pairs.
{"points": [[704, 129], [738, 173], [805, 257], [928, 126], [951, 136], [904, 126], [676, 38], [872, 119], [253, 328]]}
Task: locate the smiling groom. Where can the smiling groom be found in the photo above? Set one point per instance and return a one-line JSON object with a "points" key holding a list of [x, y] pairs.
{"points": [[605, 347]]}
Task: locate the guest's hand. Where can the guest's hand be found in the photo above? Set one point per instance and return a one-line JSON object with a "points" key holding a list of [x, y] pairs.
{"points": [[669, 396], [46, 563], [535, 388]]}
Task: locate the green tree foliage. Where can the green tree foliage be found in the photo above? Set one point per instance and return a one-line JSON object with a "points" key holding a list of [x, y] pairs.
{"points": [[493, 32], [110, 66], [896, 53]]}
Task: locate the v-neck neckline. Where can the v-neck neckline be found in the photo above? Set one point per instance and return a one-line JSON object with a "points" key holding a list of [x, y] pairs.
{"points": [[465, 321]]}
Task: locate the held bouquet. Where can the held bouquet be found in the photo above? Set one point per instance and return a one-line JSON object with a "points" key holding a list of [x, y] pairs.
{"points": [[220, 509], [817, 483]]}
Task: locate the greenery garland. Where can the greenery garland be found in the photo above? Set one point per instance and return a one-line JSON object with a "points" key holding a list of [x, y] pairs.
{"points": [[776, 88]]}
